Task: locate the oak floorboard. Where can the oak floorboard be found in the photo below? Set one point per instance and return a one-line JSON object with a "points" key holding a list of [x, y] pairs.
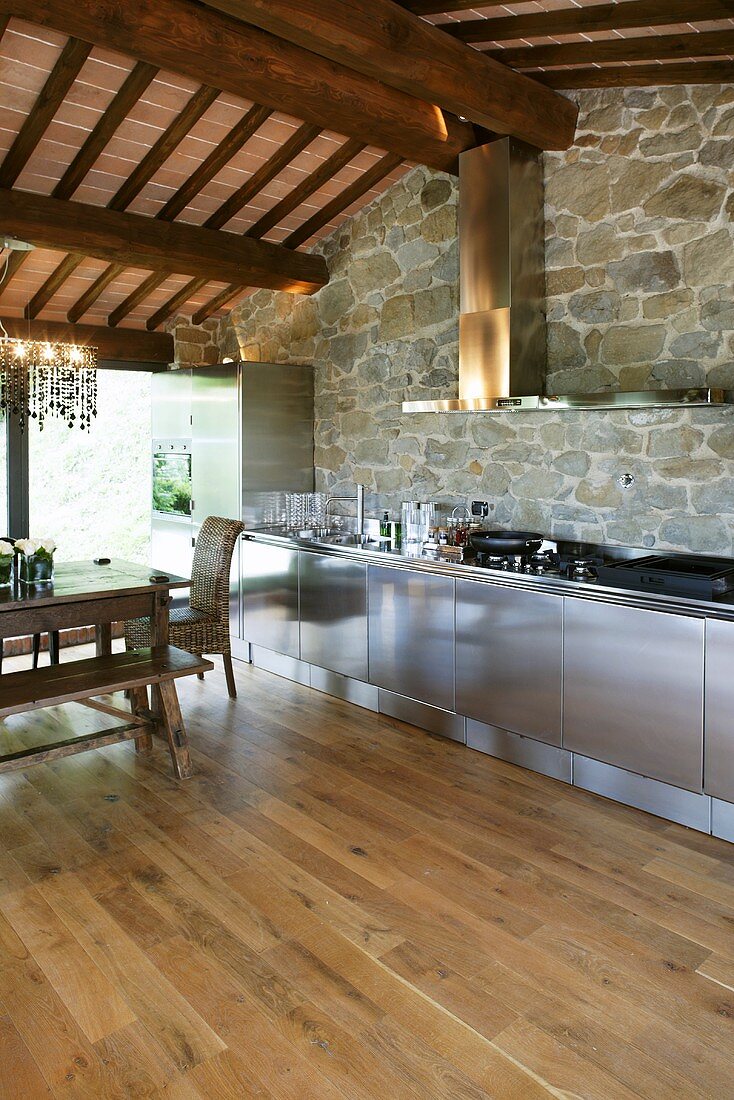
{"points": [[337, 906]]}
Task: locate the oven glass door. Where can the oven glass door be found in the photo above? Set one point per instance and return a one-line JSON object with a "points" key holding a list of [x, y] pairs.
{"points": [[172, 483]]}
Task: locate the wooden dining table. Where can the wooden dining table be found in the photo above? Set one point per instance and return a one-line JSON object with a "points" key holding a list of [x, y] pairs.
{"points": [[86, 594]]}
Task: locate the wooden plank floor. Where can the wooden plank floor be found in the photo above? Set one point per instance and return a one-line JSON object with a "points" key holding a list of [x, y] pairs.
{"points": [[339, 905]]}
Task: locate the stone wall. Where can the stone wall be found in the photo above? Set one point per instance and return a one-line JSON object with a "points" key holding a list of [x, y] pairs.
{"points": [[640, 264]]}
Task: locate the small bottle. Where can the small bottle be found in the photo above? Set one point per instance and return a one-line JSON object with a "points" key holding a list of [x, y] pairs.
{"points": [[385, 531]]}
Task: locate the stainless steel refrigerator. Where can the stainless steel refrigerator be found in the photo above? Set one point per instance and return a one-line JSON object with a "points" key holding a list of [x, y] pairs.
{"points": [[226, 440]]}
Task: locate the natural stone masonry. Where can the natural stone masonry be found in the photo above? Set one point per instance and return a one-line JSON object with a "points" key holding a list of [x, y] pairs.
{"points": [[640, 262]]}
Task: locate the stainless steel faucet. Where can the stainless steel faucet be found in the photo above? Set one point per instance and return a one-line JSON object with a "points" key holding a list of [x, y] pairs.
{"points": [[359, 498]]}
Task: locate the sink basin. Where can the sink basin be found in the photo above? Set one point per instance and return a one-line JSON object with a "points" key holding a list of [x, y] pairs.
{"points": [[346, 538]]}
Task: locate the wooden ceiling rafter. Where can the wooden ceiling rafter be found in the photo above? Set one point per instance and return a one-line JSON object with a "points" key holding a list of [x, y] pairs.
{"points": [[128, 95], [239, 134], [383, 42], [374, 175], [316, 179], [272, 167], [216, 49], [197, 105], [640, 48], [638, 76], [585, 20]]}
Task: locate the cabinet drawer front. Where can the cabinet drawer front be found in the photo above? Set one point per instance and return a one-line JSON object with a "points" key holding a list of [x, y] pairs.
{"points": [[270, 597], [334, 614], [633, 690], [509, 656], [411, 634], [719, 776]]}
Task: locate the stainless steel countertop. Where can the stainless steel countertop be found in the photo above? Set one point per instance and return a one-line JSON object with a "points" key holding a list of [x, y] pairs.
{"points": [[721, 607]]}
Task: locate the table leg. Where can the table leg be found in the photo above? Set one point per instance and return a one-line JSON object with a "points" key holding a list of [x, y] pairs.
{"points": [[103, 639]]}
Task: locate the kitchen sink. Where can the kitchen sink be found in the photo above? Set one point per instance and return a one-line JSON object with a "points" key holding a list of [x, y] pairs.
{"points": [[346, 538]]}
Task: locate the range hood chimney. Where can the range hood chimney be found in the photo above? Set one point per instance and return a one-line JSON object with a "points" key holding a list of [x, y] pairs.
{"points": [[502, 331]]}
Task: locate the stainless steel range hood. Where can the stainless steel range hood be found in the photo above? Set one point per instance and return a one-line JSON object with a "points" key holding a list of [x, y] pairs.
{"points": [[502, 332]]}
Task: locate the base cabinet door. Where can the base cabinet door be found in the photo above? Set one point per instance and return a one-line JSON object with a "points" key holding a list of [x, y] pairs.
{"points": [[270, 596], [334, 613], [411, 634], [633, 690], [509, 656], [719, 756]]}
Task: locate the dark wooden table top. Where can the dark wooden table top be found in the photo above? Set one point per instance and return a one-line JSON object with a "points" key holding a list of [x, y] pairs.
{"points": [[83, 580]]}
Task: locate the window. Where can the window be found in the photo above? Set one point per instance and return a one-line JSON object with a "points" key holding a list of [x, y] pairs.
{"points": [[91, 491], [3, 475]]}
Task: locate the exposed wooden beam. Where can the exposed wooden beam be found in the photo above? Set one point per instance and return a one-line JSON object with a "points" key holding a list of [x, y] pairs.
{"points": [[158, 154], [307, 187], [641, 48], [128, 95], [248, 125], [199, 102], [122, 343], [217, 302], [141, 292], [598, 17], [333, 209], [218, 50], [299, 140], [339, 203], [57, 278], [178, 299], [316, 179], [281, 158], [62, 76], [240, 133], [144, 242], [381, 40], [639, 76]]}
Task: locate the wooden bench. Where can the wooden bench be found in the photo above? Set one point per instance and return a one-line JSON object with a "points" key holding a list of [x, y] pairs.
{"points": [[80, 681]]}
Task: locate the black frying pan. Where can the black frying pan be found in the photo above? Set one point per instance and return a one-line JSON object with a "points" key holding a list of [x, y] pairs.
{"points": [[506, 542]]}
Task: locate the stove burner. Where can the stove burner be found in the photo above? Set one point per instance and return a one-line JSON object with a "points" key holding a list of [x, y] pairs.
{"points": [[582, 569]]}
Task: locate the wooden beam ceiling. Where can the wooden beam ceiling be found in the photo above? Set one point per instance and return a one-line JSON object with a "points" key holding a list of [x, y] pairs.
{"points": [[639, 76], [62, 76], [199, 102], [207, 170], [123, 343], [585, 20], [326, 171], [333, 209], [641, 48], [381, 40], [220, 51], [137, 241]]}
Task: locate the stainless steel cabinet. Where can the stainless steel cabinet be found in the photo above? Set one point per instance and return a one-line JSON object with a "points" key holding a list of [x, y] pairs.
{"points": [[509, 655], [270, 596], [334, 613], [719, 771], [411, 634], [633, 690]]}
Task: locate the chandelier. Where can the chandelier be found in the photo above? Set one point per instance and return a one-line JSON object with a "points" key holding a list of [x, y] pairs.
{"points": [[40, 379]]}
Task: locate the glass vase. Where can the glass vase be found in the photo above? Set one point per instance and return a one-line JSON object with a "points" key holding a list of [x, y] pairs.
{"points": [[36, 569], [6, 570]]}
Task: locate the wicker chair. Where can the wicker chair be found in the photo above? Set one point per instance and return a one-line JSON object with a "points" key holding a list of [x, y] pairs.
{"points": [[203, 626]]}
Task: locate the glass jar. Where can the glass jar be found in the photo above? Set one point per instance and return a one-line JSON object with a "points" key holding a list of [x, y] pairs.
{"points": [[6, 570], [36, 569]]}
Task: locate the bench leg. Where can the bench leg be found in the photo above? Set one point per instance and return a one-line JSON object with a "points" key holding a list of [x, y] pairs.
{"points": [[139, 705], [173, 724], [229, 673]]}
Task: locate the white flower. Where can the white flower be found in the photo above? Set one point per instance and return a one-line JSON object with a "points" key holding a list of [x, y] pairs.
{"points": [[26, 546], [6, 549], [47, 544]]}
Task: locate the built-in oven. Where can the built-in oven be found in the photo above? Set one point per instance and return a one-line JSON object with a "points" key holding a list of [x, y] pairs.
{"points": [[172, 479]]}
